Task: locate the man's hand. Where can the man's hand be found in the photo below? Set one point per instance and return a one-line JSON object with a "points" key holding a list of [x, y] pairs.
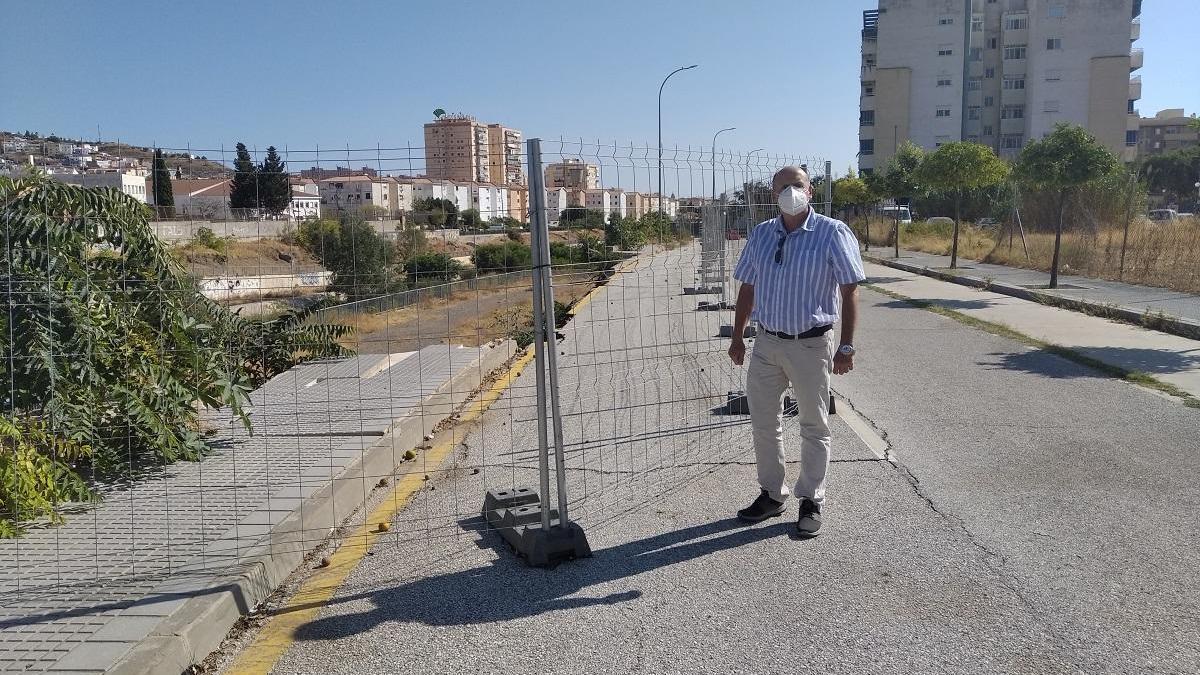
{"points": [[842, 363], [737, 351]]}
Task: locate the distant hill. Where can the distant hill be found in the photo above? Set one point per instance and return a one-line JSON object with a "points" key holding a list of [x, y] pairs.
{"points": [[53, 151]]}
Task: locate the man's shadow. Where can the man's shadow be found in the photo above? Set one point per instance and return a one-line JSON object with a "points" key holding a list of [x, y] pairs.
{"points": [[507, 589]]}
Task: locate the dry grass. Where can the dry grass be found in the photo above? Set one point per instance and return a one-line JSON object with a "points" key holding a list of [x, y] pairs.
{"points": [[1166, 255], [244, 257]]}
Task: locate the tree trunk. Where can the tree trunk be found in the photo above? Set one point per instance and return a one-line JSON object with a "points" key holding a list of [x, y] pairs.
{"points": [[867, 219], [896, 231], [1062, 204], [954, 242]]}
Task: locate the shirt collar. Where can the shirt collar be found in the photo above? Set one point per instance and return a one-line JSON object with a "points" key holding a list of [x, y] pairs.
{"points": [[807, 225]]}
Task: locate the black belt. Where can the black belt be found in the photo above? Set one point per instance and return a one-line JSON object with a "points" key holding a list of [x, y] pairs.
{"points": [[816, 331]]}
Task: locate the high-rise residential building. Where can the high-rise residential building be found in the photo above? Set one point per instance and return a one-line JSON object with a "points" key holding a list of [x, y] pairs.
{"points": [[997, 72], [504, 155], [1167, 131], [573, 174], [460, 148]]}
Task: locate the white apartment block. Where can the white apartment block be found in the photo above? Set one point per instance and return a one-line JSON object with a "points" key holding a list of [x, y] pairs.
{"points": [[598, 200], [132, 184], [352, 194], [997, 72], [618, 203], [556, 202]]}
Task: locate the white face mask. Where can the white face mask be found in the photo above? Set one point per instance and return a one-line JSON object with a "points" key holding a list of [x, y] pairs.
{"points": [[793, 200]]}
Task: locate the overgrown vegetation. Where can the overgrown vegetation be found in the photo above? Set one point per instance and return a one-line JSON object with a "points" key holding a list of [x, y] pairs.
{"points": [[364, 263], [108, 351]]}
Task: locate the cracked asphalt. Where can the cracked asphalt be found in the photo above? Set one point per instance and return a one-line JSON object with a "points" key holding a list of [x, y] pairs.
{"points": [[1039, 518]]}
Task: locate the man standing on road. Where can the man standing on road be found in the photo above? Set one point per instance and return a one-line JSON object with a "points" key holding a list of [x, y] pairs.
{"points": [[796, 271]]}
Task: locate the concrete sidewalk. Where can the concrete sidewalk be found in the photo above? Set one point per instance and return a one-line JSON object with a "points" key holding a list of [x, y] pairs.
{"points": [[1169, 358], [1129, 302], [160, 569]]}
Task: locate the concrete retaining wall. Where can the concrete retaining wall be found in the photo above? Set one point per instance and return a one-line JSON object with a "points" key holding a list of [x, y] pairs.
{"points": [[247, 288]]}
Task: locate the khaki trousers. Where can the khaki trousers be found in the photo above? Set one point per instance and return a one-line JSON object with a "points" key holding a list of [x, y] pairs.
{"points": [[806, 364]]}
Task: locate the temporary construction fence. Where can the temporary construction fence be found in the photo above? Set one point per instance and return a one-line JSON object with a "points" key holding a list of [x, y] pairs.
{"points": [[177, 456]]}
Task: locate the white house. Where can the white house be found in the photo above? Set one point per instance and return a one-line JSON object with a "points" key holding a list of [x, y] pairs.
{"points": [[131, 184], [598, 199], [556, 203], [617, 203], [304, 205], [204, 198]]}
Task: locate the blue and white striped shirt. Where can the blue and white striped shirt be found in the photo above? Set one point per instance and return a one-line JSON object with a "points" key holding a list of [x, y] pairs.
{"points": [[801, 290]]}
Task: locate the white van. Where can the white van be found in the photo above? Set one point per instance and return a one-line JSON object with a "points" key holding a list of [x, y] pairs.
{"points": [[892, 211]]}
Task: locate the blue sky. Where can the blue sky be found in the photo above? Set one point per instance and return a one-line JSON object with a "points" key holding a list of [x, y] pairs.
{"points": [[360, 73]]}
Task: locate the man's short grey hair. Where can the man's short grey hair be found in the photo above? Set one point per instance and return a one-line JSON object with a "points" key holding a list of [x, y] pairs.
{"points": [[796, 169]]}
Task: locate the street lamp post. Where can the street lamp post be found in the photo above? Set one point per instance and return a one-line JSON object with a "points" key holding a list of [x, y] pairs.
{"points": [[714, 159], [749, 183], [660, 91]]}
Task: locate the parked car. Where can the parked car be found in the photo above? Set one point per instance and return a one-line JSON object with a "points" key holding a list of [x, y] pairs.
{"points": [[1163, 215], [892, 212], [987, 222]]}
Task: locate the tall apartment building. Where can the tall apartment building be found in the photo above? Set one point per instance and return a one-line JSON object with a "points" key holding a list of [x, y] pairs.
{"points": [[573, 174], [997, 72], [1167, 131], [460, 148]]}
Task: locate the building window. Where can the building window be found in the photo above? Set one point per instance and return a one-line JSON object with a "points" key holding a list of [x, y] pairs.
{"points": [[868, 88], [943, 112], [989, 101], [943, 81], [976, 53], [866, 146], [1014, 52], [1053, 75], [976, 25], [1057, 12], [1016, 23], [989, 73], [1131, 137], [992, 43], [1012, 112], [1053, 43], [1050, 106], [974, 84], [1011, 141], [940, 141], [1014, 83], [866, 118], [946, 21], [987, 130], [1132, 110], [945, 50], [973, 113]]}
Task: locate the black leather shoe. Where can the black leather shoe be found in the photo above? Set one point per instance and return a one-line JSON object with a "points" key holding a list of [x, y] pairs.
{"points": [[764, 507], [809, 522]]}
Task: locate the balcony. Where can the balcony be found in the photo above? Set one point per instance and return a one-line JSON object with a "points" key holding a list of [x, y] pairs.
{"points": [[1135, 87], [1135, 30], [1135, 59], [870, 29]]}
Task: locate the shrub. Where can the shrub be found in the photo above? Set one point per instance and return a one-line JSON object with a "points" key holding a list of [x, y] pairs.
{"points": [[209, 239], [505, 257], [361, 259], [428, 268]]}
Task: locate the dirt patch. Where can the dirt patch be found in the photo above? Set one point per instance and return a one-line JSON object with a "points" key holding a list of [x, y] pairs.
{"points": [[470, 318], [251, 257]]}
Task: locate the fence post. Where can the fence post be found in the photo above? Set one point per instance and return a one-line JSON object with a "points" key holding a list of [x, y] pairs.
{"points": [[537, 222], [829, 188], [556, 539]]}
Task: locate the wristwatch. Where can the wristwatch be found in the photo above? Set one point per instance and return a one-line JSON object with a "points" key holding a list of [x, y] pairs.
{"points": [[846, 350]]}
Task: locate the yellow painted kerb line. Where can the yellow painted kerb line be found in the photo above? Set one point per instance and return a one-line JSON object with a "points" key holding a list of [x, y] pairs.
{"points": [[279, 633]]}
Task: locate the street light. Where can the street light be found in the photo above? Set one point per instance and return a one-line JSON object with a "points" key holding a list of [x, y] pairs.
{"points": [[714, 151], [660, 91], [749, 203]]}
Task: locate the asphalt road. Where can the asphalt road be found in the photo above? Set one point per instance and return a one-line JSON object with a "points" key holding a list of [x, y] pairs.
{"points": [[1040, 519]]}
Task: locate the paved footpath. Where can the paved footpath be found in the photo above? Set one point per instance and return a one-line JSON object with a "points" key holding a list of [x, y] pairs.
{"points": [[1139, 298], [1170, 358], [1037, 520]]}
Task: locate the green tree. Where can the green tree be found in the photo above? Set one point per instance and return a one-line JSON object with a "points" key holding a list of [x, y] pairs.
{"points": [[471, 219], [508, 256], [160, 177], [1175, 173], [274, 188], [361, 259], [958, 168], [243, 189], [898, 181], [578, 216], [425, 268], [851, 192], [147, 350], [1061, 163], [436, 213]]}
